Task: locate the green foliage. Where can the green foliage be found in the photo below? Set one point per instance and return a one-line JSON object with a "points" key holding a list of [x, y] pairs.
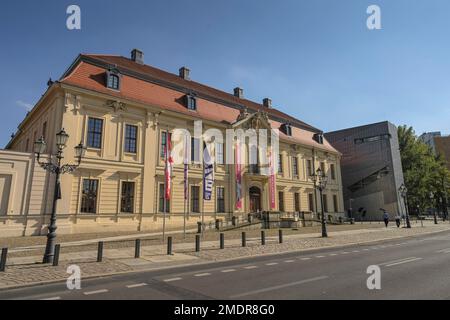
{"points": [[423, 171]]}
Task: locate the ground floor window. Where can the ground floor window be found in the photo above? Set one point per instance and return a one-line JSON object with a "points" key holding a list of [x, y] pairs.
{"points": [[220, 200], [311, 202], [162, 192], [335, 203], [325, 203], [281, 201], [297, 202], [195, 199], [89, 196], [127, 198]]}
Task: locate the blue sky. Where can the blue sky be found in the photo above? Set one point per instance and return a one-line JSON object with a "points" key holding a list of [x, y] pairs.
{"points": [[316, 59]]}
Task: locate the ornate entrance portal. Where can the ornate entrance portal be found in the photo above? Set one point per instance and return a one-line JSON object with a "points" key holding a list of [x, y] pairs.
{"points": [[255, 199]]}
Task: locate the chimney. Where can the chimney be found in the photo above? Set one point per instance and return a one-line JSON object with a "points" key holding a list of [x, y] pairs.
{"points": [[267, 103], [137, 56], [184, 73], [239, 93]]}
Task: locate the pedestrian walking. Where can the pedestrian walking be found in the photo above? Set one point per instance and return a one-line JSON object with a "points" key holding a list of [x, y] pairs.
{"points": [[398, 220], [386, 218]]}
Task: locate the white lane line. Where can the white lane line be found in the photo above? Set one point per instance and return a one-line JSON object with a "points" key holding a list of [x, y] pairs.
{"points": [[137, 285], [289, 261], [173, 279], [345, 252], [444, 251], [90, 293], [305, 259], [51, 299], [396, 261], [320, 257], [228, 270], [271, 264], [366, 249], [250, 267], [356, 251], [282, 286], [202, 275], [402, 262]]}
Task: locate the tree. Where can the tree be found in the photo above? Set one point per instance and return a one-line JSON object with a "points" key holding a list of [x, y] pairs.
{"points": [[423, 171]]}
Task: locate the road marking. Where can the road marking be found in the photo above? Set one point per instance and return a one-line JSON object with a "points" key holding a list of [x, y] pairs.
{"points": [[345, 252], [366, 249], [399, 261], [228, 270], [282, 286], [444, 251], [356, 251], [320, 257], [271, 264], [89, 293], [202, 275], [305, 259], [402, 262], [173, 279], [250, 267], [137, 285], [289, 261], [51, 299]]}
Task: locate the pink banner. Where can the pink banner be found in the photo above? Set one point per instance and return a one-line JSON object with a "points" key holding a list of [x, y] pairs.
{"points": [[238, 177], [272, 182]]}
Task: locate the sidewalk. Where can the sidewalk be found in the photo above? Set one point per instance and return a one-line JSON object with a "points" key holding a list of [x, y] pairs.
{"points": [[155, 256]]}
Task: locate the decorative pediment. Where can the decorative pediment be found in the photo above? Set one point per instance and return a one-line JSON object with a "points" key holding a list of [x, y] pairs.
{"points": [[256, 121]]}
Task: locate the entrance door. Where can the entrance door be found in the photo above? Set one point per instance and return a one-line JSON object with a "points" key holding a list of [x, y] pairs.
{"points": [[255, 199], [5, 185]]}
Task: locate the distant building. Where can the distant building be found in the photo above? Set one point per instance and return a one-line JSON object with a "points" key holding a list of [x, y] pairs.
{"points": [[443, 148], [371, 169], [428, 138]]}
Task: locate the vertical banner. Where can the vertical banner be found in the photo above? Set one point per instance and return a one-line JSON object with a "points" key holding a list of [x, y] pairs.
{"points": [[208, 175], [169, 166], [238, 169], [186, 167], [272, 180]]}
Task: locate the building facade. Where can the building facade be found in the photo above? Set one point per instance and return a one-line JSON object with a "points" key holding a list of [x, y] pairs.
{"points": [[123, 110], [371, 169]]}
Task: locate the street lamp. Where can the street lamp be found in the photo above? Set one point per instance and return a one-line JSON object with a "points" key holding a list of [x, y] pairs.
{"points": [[404, 193], [434, 211], [57, 169], [320, 182]]}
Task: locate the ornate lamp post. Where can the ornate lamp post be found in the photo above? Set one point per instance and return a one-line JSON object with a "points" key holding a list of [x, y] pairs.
{"points": [[434, 211], [320, 182], [404, 193], [57, 169]]}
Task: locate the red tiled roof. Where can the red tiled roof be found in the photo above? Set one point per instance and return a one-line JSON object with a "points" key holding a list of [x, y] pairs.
{"points": [[89, 74]]}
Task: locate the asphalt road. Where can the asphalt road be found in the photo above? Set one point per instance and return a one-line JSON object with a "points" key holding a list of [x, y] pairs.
{"points": [[413, 268]]}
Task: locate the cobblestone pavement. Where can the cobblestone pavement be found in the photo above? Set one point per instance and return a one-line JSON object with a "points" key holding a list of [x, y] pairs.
{"points": [[154, 256]]}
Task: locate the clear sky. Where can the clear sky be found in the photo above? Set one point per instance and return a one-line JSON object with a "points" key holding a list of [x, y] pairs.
{"points": [[316, 59]]}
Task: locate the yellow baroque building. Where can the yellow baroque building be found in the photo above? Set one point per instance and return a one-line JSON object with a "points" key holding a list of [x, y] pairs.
{"points": [[120, 109]]}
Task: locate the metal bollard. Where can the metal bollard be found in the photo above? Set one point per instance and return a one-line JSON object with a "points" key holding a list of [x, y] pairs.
{"points": [[280, 235], [244, 239], [199, 227], [137, 249], [222, 241], [3, 259], [100, 252], [197, 243], [263, 238], [56, 255], [169, 246]]}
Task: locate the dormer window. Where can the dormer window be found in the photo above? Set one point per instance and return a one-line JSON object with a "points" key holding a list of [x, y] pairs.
{"points": [[286, 128], [191, 102], [113, 80], [318, 137]]}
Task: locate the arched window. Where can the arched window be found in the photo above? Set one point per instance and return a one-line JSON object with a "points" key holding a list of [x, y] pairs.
{"points": [[113, 80]]}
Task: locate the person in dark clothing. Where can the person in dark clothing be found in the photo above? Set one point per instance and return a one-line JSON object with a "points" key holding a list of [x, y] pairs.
{"points": [[398, 220], [386, 218]]}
